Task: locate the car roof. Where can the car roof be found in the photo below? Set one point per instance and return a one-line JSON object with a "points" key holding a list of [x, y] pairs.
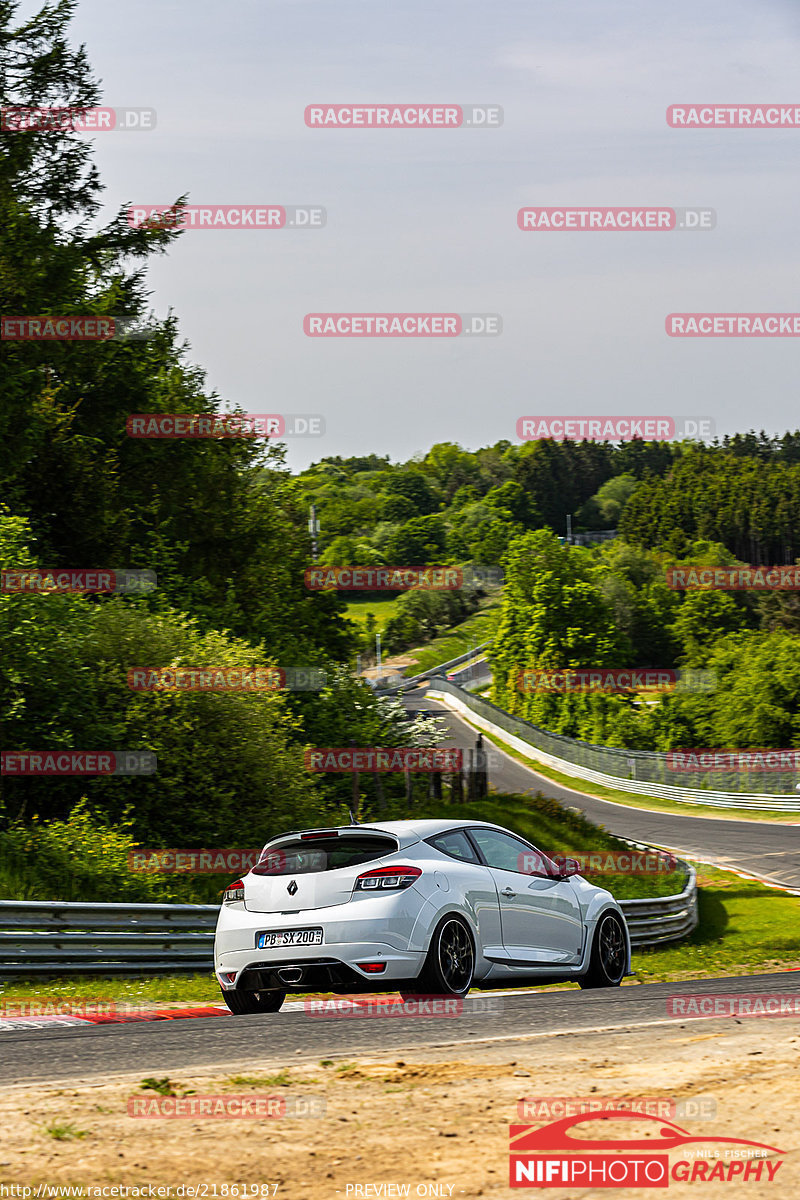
{"points": [[406, 832], [425, 826]]}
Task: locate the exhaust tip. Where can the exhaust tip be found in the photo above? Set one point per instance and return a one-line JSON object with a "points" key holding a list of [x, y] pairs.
{"points": [[290, 974]]}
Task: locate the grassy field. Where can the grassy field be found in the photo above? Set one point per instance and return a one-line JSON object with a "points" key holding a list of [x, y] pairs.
{"points": [[382, 610], [745, 927], [479, 627]]}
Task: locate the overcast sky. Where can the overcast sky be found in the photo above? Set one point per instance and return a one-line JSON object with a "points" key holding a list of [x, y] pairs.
{"points": [[425, 220]]}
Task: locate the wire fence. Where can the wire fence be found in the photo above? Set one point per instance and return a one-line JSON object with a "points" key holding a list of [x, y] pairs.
{"points": [[644, 772]]}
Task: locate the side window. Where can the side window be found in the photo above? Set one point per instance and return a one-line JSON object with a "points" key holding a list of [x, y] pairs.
{"points": [[507, 853], [456, 844]]}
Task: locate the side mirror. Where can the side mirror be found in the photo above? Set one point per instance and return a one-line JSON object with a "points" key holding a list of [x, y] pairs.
{"points": [[569, 867]]}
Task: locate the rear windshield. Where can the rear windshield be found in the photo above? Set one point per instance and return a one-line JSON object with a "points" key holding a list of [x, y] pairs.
{"points": [[298, 857]]}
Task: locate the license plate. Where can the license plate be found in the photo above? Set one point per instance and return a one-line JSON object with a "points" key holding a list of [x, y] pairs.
{"points": [[290, 937]]}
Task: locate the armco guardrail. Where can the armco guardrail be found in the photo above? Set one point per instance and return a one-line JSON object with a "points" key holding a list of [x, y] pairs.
{"points": [[474, 674], [39, 937], [42, 938], [439, 669], [643, 772], [664, 918]]}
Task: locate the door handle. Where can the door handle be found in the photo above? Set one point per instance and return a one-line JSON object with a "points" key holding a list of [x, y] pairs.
{"points": [[508, 892]]}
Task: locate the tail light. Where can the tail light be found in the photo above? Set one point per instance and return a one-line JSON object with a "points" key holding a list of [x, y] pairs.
{"points": [[233, 892], [383, 878]]}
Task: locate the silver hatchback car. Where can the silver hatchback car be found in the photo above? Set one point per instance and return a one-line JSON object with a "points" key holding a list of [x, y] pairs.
{"points": [[421, 907]]}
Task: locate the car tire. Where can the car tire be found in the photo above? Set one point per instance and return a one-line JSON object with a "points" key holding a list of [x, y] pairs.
{"points": [[450, 964], [240, 1001], [609, 954]]}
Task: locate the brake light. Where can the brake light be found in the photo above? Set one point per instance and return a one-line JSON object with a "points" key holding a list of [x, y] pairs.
{"points": [[313, 837], [233, 892], [394, 878]]}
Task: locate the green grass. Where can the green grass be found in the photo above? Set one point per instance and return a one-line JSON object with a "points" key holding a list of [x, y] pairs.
{"points": [[176, 990], [382, 610], [745, 928], [282, 1079], [64, 1131], [479, 627], [164, 1087], [630, 799]]}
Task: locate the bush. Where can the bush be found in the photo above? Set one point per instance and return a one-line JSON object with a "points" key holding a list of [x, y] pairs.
{"points": [[80, 858], [230, 766], [85, 858]]}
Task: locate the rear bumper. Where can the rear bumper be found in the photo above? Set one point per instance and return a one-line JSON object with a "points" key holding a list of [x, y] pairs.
{"points": [[390, 930], [315, 975], [311, 968]]}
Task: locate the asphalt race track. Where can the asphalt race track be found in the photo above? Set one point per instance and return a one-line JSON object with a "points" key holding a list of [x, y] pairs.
{"points": [[228, 1042], [768, 850]]}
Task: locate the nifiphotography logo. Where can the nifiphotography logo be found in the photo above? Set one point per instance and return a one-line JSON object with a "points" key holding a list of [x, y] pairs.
{"points": [[555, 1156]]}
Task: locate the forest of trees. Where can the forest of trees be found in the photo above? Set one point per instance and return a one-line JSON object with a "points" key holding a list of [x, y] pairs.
{"points": [[567, 606], [222, 523], [453, 505]]}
